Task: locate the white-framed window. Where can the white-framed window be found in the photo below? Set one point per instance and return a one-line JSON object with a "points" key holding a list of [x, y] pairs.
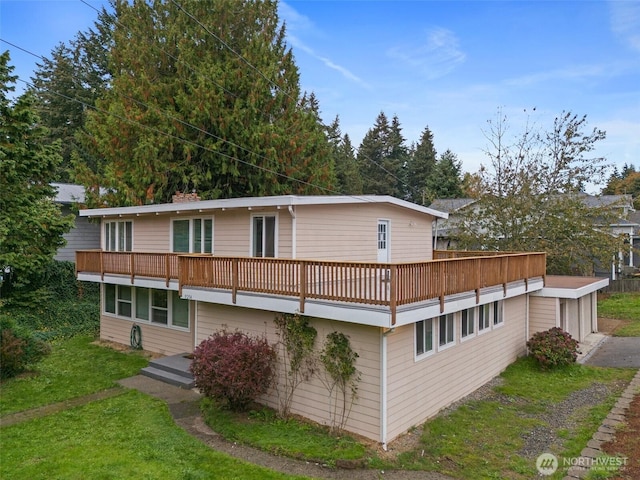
{"points": [[468, 323], [446, 333], [264, 235], [158, 307], [192, 235], [118, 236], [424, 337], [484, 317], [498, 315]]}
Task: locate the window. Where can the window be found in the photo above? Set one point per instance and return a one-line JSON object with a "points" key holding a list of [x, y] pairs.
{"points": [[468, 322], [123, 301], [484, 317], [263, 236], [424, 337], [498, 318], [160, 307], [118, 236], [445, 330], [192, 235]]}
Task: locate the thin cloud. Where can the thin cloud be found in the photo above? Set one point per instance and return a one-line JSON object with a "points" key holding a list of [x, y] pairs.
{"points": [[625, 22], [300, 23], [437, 57]]}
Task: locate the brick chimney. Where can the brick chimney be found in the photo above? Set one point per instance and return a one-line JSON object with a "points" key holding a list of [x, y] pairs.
{"points": [[180, 197]]}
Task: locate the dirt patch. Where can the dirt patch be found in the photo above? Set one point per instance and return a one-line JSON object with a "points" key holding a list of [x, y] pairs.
{"points": [[121, 347], [610, 325], [627, 443]]}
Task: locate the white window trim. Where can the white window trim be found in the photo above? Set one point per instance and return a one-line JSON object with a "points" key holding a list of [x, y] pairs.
{"points": [[473, 335], [453, 342], [135, 319], [417, 357], [191, 219], [275, 233], [488, 328], [498, 311], [117, 222]]}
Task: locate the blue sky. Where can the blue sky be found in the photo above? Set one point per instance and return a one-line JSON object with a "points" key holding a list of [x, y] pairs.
{"points": [[447, 65]]}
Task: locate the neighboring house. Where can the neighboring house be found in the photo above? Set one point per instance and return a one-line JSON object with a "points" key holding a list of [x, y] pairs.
{"points": [[628, 224], [84, 235], [429, 327]]}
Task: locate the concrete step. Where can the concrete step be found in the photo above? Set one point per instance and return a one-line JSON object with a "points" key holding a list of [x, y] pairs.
{"points": [[168, 377], [175, 364]]}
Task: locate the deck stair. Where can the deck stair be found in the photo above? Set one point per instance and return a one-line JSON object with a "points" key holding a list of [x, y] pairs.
{"points": [[173, 370]]}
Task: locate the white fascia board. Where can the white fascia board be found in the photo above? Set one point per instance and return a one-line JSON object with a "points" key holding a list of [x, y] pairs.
{"points": [[146, 282], [462, 301], [283, 201], [344, 312], [572, 293]]}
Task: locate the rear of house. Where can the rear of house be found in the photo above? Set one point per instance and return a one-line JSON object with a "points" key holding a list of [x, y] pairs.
{"points": [[428, 327]]}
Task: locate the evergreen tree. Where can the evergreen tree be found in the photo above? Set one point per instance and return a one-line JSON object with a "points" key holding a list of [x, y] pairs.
{"points": [[381, 158], [625, 183], [68, 83], [348, 179], [445, 180], [31, 224], [420, 169], [205, 95]]}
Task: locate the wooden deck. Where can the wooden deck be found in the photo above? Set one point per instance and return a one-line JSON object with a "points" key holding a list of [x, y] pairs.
{"points": [[387, 284]]}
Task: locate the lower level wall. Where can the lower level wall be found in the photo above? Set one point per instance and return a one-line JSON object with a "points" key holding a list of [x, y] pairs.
{"points": [[543, 312], [311, 398], [158, 339], [420, 387]]}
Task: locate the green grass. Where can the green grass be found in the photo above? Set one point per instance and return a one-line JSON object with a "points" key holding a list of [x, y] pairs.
{"points": [[482, 439], [622, 306], [291, 438], [124, 437], [75, 367], [127, 436]]}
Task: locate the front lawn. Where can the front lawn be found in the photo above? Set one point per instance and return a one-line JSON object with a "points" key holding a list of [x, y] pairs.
{"points": [[130, 435], [76, 367], [622, 306]]}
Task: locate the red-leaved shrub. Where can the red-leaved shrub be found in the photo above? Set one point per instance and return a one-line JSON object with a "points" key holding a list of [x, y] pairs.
{"points": [[234, 368], [553, 348]]}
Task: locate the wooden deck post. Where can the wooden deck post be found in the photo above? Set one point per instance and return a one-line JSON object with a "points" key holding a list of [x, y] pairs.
{"points": [[234, 279], [303, 284], [394, 290]]}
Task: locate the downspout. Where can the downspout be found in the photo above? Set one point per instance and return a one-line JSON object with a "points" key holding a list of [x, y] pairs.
{"points": [[293, 232], [435, 237], [195, 324], [383, 389]]}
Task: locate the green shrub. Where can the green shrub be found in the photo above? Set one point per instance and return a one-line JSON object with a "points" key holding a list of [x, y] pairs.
{"points": [[553, 348], [19, 349], [234, 368]]}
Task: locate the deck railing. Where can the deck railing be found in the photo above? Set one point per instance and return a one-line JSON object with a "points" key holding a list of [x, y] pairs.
{"points": [[385, 284], [133, 264]]}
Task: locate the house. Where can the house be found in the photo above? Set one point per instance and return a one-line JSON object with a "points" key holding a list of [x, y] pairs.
{"points": [[429, 327], [85, 234], [627, 224]]}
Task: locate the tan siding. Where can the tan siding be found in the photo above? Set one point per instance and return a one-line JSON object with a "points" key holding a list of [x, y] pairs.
{"points": [[311, 398], [417, 390], [349, 233], [163, 340], [151, 233], [573, 318], [542, 314]]}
